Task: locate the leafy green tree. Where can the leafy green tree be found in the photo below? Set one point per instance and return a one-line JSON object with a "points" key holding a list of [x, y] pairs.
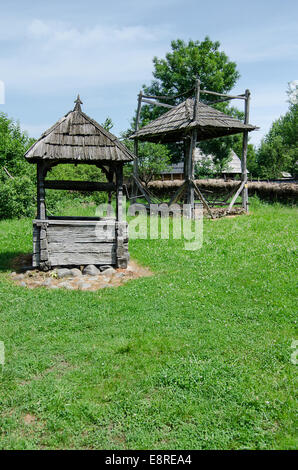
{"points": [[108, 124], [17, 177], [13, 145], [176, 75], [278, 151], [152, 159]]}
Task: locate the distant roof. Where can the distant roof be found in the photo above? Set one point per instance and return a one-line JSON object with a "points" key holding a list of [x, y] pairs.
{"points": [[175, 124], [78, 138], [234, 166]]}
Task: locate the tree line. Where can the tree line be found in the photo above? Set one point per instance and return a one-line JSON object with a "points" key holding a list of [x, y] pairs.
{"points": [[173, 75]]}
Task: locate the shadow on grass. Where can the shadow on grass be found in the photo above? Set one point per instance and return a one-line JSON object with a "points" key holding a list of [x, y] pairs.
{"points": [[15, 261]]}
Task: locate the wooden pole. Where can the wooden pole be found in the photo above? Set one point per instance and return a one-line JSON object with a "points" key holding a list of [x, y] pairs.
{"points": [[191, 153], [244, 154], [239, 190], [41, 206], [197, 100], [136, 148], [121, 258], [190, 172], [137, 125]]}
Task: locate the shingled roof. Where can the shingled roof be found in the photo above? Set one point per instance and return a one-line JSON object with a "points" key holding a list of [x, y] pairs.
{"points": [[175, 124], [78, 138]]}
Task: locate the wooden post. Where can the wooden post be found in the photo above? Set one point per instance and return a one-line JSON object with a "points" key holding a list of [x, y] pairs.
{"points": [[136, 146], [121, 258], [190, 172], [110, 180], [244, 154], [197, 100], [191, 153], [41, 206]]}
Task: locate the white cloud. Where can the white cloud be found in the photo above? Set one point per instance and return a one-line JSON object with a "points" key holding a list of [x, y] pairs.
{"points": [[55, 55], [38, 28]]}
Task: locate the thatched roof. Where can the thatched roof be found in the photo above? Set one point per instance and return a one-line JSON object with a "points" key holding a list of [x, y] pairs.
{"points": [[175, 124], [78, 138]]}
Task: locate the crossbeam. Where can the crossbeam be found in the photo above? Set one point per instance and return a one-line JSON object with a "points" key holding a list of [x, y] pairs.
{"points": [[157, 103], [240, 97], [79, 185]]}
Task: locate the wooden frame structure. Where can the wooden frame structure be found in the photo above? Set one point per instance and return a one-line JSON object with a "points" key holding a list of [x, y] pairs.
{"points": [[190, 122], [76, 241]]}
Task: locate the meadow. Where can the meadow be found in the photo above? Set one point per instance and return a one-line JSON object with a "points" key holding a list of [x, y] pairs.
{"points": [[197, 356]]}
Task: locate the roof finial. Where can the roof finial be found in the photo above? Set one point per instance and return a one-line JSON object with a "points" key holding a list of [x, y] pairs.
{"points": [[78, 103]]}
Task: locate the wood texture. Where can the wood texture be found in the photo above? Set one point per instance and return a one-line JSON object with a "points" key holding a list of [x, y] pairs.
{"points": [[176, 123], [80, 185], [80, 242], [78, 138]]}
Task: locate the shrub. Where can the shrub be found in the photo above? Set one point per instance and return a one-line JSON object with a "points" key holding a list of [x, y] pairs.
{"points": [[17, 198]]}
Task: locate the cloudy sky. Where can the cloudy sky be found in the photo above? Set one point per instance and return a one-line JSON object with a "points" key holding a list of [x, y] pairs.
{"points": [[50, 51]]}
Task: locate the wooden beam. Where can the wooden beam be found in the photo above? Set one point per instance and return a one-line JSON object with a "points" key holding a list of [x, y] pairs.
{"points": [[244, 154], [137, 125], [79, 185], [190, 171], [136, 148], [178, 194], [41, 205], [235, 196], [157, 103], [205, 203], [121, 252], [139, 185], [197, 100], [207, 92]]}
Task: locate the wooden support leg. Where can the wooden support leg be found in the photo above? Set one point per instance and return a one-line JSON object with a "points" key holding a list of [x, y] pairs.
{"points": [[139, 186], [180, 191], [244, 154], [40, 249], [239, 190], [190, 171], [121, 254], [244, 172], [205, 203], [41, 205]]}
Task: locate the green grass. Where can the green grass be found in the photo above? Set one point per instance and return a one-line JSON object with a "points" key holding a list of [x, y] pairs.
{"points": [[197, 356]]}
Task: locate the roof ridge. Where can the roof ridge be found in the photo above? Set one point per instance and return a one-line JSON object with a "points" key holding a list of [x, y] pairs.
{"points": [[43, 148]]}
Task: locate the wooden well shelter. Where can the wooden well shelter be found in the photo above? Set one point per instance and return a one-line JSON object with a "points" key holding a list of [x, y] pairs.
{"points": [[190, 122], [74, 241]]}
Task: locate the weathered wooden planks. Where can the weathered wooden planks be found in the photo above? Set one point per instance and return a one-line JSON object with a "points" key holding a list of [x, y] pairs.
{"points": [[68, 246], [79, 242], [78, 259], [79, 185]]}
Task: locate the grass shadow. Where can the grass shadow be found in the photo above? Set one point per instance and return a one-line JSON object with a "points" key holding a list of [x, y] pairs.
{"points": [[15, 261]]}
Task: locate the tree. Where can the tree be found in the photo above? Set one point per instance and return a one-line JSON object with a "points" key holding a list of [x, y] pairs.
{"points": [[13, 145], [152, 159], [278, 151], [108, 124], [17, 177], [176, 75]]}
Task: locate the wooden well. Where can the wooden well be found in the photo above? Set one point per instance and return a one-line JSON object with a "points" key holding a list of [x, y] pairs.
{"points": [[77, 241]]}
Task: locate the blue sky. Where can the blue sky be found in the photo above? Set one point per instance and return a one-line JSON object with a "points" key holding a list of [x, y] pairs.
{"points": [[50, 51]]}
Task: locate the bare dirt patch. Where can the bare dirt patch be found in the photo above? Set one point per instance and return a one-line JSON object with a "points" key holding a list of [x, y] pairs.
{"points": [[29, 419]]}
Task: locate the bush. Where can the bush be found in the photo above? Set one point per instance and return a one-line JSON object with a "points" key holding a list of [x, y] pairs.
{"points": [[17, 198]]}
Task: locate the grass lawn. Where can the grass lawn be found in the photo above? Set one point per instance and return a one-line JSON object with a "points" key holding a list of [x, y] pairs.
{"points": [[195, 357]]}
